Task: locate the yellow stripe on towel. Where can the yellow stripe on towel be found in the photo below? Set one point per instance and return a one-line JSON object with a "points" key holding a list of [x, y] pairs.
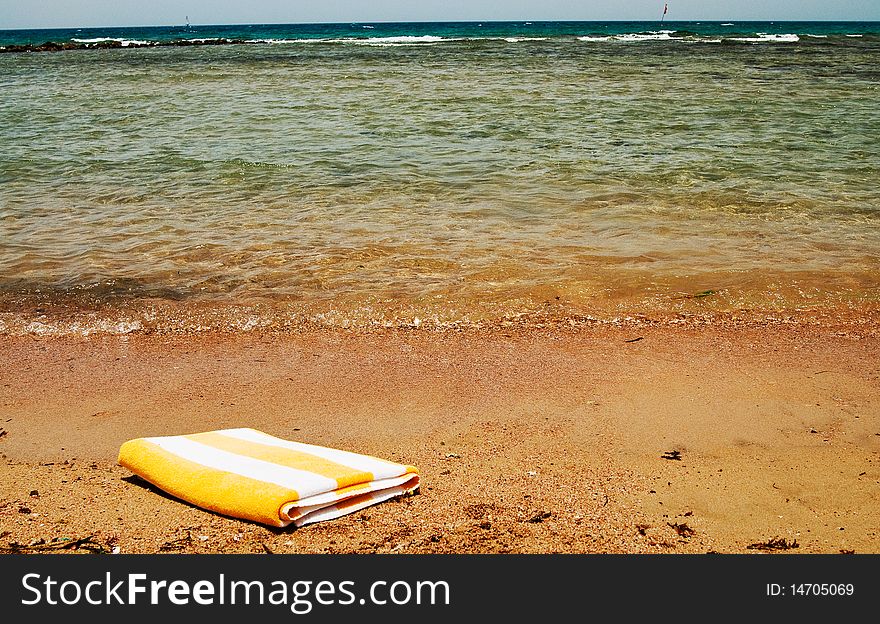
{"points": [[248, 474], [343, 475]]}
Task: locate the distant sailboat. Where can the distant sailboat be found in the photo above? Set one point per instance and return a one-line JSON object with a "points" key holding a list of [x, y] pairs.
{"points": [[186, 28], [665, 8]]}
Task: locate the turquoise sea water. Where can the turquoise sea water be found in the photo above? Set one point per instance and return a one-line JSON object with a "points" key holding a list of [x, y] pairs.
{"points": [[382, 173], [459, 31]]}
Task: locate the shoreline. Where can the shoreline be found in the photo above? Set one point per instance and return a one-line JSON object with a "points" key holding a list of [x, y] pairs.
{"points": [[532, 439], [167, 318]]}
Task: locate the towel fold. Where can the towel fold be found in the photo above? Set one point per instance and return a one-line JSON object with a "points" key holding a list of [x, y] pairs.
{"points": [[248, 474]]}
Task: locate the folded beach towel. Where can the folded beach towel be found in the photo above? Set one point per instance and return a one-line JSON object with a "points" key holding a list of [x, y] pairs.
{"points": [[248, 474]]}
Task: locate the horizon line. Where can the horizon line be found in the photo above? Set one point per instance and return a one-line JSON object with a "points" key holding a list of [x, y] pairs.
{"points": [[489, 21]]}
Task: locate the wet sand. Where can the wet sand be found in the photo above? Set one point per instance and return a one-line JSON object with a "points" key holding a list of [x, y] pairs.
{"points": [[531, 440]]}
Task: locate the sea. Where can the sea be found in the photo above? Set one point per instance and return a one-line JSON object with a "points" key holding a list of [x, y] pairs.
{"points": [[435, 175]]}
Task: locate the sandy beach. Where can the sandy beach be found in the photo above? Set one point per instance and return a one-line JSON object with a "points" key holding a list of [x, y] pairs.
{"points": [[611, 287], [636, 437]]}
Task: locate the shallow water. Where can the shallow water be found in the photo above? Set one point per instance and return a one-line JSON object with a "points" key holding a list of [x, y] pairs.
{"points": [[433, 173]]}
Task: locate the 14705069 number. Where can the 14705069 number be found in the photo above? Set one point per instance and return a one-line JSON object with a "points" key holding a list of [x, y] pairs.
{"points": [[822, 589]]}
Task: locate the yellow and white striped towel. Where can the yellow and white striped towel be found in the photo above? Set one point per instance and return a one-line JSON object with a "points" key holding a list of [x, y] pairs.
{"points": [[248, 474]]}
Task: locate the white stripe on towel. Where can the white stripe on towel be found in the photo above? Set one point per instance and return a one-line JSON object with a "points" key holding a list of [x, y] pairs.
{"points": [[305, 483], [380, 469]]}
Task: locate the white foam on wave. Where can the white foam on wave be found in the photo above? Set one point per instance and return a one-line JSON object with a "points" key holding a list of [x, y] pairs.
{"points": [[668, 35], [818, 36], [664, 35], [117, 327], [855, 35], [727, 24], [653, 35], [403, 39], [520, 39], [765, 38], [124, 42], [369, 41], [249, 324], [280, 41]]}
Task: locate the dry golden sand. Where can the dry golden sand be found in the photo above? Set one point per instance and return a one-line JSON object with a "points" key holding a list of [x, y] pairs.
{"points": [[540, 440]]}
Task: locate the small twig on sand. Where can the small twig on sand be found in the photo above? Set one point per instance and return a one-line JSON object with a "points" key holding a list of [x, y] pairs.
{"points": [[682, 529], [777, 543], [178, 544], [699, 295], [83, 543]]}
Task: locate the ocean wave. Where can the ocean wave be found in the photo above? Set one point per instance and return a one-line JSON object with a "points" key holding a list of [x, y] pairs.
{"points": [[520, 39], [373, 41], [83, 327], [164, 319], [651, 35], [403, 39], [288, 41], [689, 37], [367, 39], [767, 38], [641, 37], [124, 42]]}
